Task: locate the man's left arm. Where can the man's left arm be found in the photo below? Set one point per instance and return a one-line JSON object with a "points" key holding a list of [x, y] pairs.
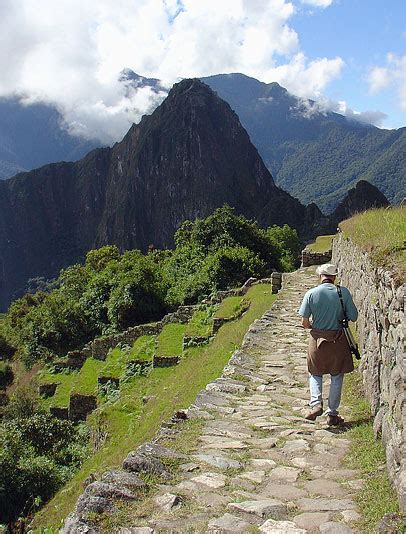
{"points": [[350, 308]]}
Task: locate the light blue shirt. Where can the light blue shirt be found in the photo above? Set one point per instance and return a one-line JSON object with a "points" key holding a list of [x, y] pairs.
{"points": [[323, 305]]}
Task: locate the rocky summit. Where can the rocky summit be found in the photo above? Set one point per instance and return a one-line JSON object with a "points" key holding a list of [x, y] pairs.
{"points": [[187, 158], [362, 197]]}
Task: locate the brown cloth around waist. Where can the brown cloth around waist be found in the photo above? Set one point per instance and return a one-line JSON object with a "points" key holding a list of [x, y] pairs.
{"points": [[328, 353]]}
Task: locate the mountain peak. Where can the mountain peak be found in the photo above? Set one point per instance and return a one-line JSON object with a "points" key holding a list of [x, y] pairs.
{"points": [[189, 157], [362, 197]]}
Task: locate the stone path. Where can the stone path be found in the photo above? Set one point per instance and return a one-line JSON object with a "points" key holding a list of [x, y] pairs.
{"points": [[258, 466]]}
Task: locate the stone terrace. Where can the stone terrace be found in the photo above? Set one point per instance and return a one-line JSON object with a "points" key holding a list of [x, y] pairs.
{"points": [[258, 465]]}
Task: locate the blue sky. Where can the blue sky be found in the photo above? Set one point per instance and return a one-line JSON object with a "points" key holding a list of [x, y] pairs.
{"points": [[362, 33], [348, 55]]}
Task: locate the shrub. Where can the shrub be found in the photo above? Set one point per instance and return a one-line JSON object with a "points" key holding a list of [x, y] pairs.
{"points": [[139, 295], [225, 229], [24, 402], [232, 266], [6, 374], [6, 350], [98, 259], [38, 454], [287, 244]]}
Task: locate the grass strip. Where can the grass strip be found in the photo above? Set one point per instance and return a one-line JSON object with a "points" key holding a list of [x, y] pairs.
{"points": [[323, 243], [381, 233], [143, 348], [377, 497], [201, 324], [129, 422], [170, 340], [228, 307], [115, 364], [86, 383], [63, 390]]}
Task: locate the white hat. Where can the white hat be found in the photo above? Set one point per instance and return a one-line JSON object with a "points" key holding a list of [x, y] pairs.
{"points": [[328, 269]]}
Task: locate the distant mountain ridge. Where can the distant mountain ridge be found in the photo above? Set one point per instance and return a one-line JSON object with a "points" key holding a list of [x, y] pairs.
{"points": [[316, 156], [187, 158], [32, 136]]}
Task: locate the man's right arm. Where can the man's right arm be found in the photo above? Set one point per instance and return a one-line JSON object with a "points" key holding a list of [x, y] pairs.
{"points": [[305, 311]]}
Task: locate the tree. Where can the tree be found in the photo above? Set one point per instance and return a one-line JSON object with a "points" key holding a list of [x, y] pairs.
{"points": [[138, 296], [99, 258], [287, 244]]}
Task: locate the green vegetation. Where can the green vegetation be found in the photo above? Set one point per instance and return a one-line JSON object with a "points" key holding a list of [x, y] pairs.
{"points": [[6, 374], [115, 364], [313, 168], [38, 455], [367, 454], [230, 306], [201, 324], [113, 291], [86, 382], [129, 422], [143, 348], [65, 384], [322, 244], [170, 340], [382, 233]]}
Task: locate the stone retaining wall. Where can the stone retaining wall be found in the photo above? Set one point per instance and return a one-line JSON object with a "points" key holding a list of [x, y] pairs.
{"points": [[315, 258], [99, 347], [380, 301]]}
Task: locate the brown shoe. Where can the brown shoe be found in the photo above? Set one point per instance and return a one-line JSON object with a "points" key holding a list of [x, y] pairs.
{"points": [[334, 420], [315, 412]]}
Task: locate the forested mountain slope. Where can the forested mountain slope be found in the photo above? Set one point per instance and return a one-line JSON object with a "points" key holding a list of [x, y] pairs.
{"points": [[187, 158], [317, 156]]}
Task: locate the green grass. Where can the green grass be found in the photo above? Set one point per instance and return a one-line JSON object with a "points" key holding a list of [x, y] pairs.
{"points": [[170, 340], [382, 233], [322, 244], [229, 307], [367, 454], [130, 422], [201, 324], [143, 348], [62, 393], [115, 364], [86, 383]]}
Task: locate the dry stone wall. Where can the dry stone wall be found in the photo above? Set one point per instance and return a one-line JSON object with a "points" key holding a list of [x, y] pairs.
{"points": [[380, 301], [99, 347], [315, 258]]}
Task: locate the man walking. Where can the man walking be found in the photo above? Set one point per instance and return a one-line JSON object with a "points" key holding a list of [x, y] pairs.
{"points": [[328, 351]]}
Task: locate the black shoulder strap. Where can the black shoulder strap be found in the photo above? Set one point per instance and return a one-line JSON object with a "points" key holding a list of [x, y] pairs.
{"points": [[340, 296]]}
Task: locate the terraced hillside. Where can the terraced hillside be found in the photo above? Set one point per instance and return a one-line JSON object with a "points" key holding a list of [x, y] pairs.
{"points": [[132, 413], [75, 387]]}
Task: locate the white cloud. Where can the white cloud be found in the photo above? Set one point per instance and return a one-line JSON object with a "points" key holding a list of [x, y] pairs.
{"points": [[318, 3], [70, 53], [309, 109], [393, 74], [306, 79]]}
